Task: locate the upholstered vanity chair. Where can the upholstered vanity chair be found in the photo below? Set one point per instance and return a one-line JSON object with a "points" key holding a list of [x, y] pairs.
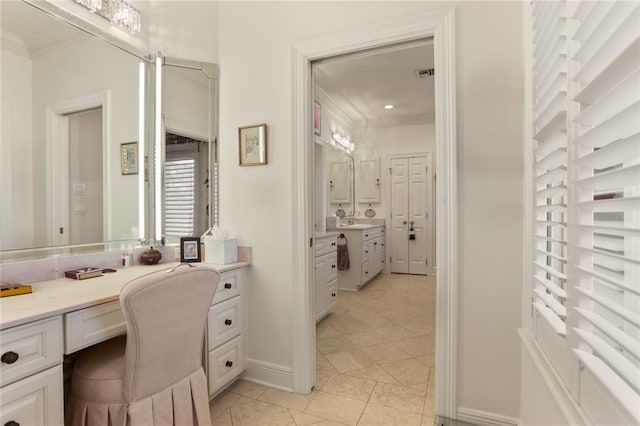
{"points": [[154, 374]]}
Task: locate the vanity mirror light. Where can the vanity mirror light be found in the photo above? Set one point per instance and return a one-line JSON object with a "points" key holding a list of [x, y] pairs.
{"points": [[69, 100], [188, 148]]}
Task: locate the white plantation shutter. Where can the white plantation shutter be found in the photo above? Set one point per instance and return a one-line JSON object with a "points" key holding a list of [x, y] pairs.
{"points": [[606, 148], [586, 275], [180, 197], [549, 285]]}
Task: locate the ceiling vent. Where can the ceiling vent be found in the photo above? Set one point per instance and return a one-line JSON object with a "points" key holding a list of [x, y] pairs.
{"points": [[425, 72]]}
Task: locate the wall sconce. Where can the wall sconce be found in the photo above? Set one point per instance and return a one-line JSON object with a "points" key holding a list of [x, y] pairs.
{"points": [[118, 12], [342, 143]]}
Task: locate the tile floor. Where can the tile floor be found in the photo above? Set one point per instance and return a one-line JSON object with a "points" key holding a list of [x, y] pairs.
{"points": [[374, 365]]}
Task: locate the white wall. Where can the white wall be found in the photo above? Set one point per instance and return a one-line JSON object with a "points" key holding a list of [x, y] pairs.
{"points": [[82, 69], [256, 202], [16, 214]]}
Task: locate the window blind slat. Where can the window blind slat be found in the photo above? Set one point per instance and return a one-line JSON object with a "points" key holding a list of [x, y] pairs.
{"points": [[613, 179], [623, 125], [552, 287], [618, 363], [612, 205], [551, 303], [622, 392], [611, 331], [556, 323], [553, 191], [553, 159], [554, 176], [615, 308], [614, 153], [551, 271]]}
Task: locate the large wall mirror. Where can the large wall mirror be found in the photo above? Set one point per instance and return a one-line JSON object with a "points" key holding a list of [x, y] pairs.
{"points": [[70, 144], [189, 136]]}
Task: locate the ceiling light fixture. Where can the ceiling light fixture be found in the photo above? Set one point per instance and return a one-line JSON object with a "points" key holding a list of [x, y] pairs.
{"points": [[388, 106], [118, 12], [342, 143]]}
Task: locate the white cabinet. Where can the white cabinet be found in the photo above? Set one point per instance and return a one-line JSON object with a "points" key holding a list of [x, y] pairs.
{"points": [[31, 374], [326, 275], [226, 347], [369, 181], [366, 255]]}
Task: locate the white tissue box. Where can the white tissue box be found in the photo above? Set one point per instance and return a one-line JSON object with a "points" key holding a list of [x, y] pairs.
{"points": [[220, 252]]}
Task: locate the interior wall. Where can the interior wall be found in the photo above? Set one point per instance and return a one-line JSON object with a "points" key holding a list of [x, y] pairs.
{"points": [[256, 202], [74, 72], [16, 214]]}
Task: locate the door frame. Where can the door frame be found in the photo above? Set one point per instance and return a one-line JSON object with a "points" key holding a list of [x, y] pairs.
{"points": [[438, 24], [388, 240], [58, 194]]}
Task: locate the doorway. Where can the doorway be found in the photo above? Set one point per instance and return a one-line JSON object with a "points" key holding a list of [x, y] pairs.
{"points": [[411, 216], [440, 25]]}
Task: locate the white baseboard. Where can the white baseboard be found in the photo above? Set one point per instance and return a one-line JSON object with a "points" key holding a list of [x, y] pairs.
{"points": [[267, 374], [484, 418]]}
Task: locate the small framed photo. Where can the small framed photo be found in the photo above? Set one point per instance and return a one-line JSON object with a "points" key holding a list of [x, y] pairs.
{"points": [[190, 249], [252, 143], [129, 158], [317, 117]]}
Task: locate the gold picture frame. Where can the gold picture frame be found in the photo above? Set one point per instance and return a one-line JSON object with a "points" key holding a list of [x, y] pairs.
{"points": [[129, 158], [252, 145]]}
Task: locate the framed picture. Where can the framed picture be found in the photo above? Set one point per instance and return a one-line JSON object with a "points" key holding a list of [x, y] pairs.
{"points": [[129, 158], [190, 249], [253, 145], [317, 123]]}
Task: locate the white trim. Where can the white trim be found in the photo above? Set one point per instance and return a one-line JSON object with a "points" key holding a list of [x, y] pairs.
{"points": [[479, 417], [268, 374], [70, 106], [559, 392], [439, 24]]}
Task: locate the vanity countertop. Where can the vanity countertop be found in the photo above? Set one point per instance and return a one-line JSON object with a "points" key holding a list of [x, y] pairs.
{"points": [[326, 234], [356, 226], [55, 297]]}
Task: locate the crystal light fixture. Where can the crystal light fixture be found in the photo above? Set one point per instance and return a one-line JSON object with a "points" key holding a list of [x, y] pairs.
{"points": [[119, 12], [342, 143]]}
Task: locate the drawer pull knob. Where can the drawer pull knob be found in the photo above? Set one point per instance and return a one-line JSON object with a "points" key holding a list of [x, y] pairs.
{"points": [[366, 235], [229, 364], [366, 251], [333, 266], [333, 294], [228, 322], [333, 243], [9, 358], [227, 286], [12, 423]]}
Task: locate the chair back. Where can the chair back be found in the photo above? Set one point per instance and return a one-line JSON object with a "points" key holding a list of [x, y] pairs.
{"points": [[166, 313]]}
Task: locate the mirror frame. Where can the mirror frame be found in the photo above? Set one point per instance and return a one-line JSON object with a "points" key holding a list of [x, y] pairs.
{"points": [[213, 73], [353, 180]]}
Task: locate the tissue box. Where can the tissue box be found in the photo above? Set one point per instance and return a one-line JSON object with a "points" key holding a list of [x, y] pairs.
{"points": [[220, 252]]}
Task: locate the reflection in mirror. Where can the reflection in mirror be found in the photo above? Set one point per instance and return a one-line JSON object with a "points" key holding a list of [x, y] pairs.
{"points": [[190, 153], [69, 100], [340, 182]]}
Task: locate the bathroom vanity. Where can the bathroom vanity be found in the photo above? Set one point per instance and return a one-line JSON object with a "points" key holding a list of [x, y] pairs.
{"points": [[64, 316], [365, 244], [326, 273]]}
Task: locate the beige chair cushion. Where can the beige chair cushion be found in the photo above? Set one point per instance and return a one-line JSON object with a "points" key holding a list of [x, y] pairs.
{"points": [[98, 374]]}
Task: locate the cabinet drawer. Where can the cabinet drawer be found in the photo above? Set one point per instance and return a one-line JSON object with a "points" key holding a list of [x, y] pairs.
{"points": [[365, 272], [229, 286], [225, 322], [366, 246], [325, 245], [333, 293], [30, 348], [89, 326], [225, 363], [36, 400], [332, 267], [372, 233]]}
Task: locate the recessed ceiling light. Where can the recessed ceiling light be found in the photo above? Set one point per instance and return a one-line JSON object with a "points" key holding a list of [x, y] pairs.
{"points": [[388, 106]]}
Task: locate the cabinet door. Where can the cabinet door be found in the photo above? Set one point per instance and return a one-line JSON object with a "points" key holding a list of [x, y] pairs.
{"points": [[369, 181], [35, 400], [322, 265], [340, 179]]}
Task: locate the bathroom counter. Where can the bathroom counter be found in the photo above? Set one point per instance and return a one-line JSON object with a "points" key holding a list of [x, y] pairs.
{"points": [[55, 297], [326, 234]]}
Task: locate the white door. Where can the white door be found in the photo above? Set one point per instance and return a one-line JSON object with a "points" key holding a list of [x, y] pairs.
{"points": [[411, 214], [399, 215]]}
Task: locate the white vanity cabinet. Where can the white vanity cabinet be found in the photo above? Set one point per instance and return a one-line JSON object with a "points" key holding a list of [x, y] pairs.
{"points": [[226, 347], [366, 255], [31, 374], [326, 274]]}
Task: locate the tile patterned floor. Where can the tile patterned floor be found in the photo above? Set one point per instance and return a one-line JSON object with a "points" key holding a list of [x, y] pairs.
{"points": [[374, 365]]}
